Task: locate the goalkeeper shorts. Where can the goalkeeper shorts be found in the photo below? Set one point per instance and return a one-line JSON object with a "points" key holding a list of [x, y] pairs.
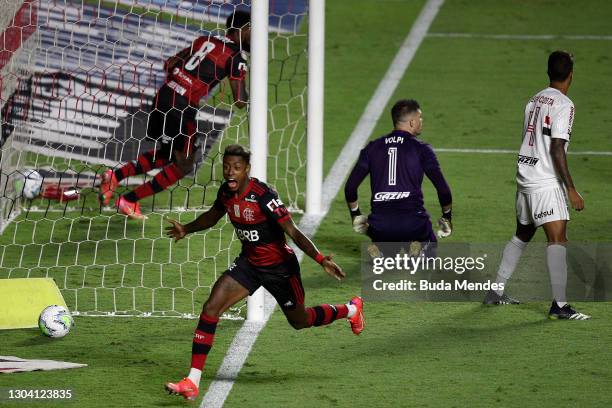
{"points": [[542, 206], [401, 227]]}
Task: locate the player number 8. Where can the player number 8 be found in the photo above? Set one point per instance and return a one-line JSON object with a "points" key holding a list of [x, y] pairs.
{"points": [[199, 55]]}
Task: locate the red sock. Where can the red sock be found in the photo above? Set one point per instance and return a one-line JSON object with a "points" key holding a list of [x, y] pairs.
{"points": [[143, 163], [325, 314], [202, 340], [162, 180]]}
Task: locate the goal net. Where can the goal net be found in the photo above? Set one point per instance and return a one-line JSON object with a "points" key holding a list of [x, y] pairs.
{"points": [[78, 80]]}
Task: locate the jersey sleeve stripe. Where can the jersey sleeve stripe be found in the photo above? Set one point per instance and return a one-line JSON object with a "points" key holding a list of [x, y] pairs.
{"points": [[284, 218]]}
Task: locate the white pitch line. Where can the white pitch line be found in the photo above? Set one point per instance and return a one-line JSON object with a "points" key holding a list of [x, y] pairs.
{"points": [[246, 336], [522, 37], [508, 151]]}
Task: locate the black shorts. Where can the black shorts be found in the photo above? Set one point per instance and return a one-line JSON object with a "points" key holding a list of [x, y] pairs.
{"points": [[282, 281], [172, 124]]}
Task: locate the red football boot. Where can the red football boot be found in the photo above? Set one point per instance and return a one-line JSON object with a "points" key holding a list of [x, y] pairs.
{"points": [[358, 319], [186, 388], [132, 210], [108, 185]]}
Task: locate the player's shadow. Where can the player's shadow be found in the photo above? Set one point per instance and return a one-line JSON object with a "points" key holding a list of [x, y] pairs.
{"points": [[269, 377], [255, 377], [446, 333], [313, 282], [173, 401]]}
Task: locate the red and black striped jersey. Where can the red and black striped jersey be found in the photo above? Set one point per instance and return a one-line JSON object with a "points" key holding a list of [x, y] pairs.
{"points": [[256, 215], [197, 69]]}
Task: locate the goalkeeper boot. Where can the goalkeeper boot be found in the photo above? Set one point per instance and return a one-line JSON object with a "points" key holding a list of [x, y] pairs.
{"points": [[493, 298], [108, 184], [374, 251], [565, 313], [132, 210], [357, 321], [186, 388]]}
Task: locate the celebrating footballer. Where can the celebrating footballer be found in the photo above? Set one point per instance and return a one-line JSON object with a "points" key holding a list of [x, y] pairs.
{"points": [[261, 221]]}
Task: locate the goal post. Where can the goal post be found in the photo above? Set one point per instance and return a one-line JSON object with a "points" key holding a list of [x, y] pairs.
{"points": [[316, 86], [18, 22], [258, 120], [258, 113]]}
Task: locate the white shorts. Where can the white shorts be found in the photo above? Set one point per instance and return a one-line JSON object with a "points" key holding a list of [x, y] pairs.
{"points": [[542, 206]]}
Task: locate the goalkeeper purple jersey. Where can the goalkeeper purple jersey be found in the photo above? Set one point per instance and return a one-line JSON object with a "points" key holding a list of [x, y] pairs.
{"points": [[396, 164]]}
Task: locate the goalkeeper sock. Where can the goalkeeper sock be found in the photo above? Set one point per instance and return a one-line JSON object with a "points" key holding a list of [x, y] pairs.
{"points": [[202, 342], [557, 269], [162, 180], [325, 314], [143, 163], [511, 255]]}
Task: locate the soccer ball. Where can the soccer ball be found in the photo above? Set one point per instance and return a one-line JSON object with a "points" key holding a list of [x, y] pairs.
{"points": [[55, 321], [32, 184]]}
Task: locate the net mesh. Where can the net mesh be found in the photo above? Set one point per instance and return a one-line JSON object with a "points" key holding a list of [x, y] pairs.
{"points": [[77, 93]]}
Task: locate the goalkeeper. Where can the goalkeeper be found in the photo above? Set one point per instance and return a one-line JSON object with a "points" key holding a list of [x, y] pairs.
{"points": [[396, 163], [192, 74]]}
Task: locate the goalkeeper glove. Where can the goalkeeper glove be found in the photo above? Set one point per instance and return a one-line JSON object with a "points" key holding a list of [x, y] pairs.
{"points": [[360, 224], [445, 226]]}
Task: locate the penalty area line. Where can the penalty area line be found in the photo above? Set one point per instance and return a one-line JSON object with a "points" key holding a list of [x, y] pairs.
{"points": [[247, 335], [544, 37]]}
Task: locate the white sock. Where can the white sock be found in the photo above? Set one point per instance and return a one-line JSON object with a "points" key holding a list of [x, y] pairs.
{"points": [[511, 255], [556, 260], [352, 309], [194, 376]]}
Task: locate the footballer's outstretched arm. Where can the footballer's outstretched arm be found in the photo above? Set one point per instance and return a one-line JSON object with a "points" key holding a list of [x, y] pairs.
{"points": [[445, 197], [309, 248], [446, 201], [204, 221], [557, 152], [433, 172], [359, 172], [241, 96]]}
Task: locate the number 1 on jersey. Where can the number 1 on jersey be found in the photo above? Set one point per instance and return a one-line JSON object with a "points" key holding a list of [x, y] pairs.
{"points": [[392, 152]]}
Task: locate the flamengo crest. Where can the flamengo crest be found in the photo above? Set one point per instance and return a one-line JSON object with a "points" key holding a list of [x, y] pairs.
{"points": [[248, 214]]}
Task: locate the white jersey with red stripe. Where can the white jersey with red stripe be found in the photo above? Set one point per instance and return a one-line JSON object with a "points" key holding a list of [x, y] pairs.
{"points": [[549, 114]]}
